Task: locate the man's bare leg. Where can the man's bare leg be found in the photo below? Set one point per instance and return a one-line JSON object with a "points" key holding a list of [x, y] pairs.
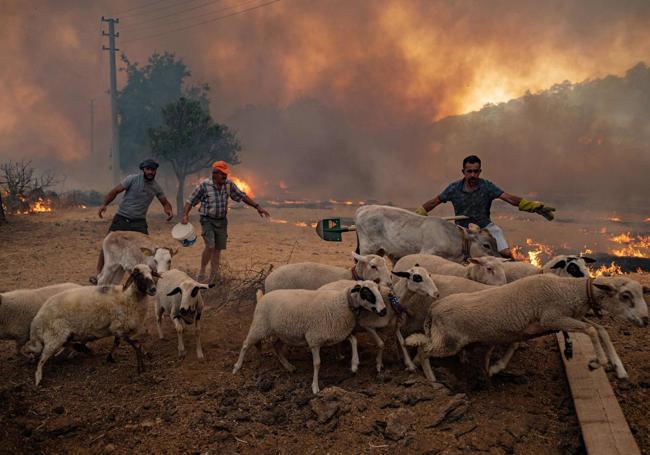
{"points": [[100, 267], [206, 257], [214, 262]]}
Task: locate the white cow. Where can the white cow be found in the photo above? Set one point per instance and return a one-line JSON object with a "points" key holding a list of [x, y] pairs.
{"points": [[398, 232]]}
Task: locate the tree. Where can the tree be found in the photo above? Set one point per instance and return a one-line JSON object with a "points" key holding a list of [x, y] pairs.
{"points": [[190, 140], [22, 185], [147, 91]]}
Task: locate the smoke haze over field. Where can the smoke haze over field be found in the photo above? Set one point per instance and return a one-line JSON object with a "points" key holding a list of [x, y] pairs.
{"points": [[340, 99]]}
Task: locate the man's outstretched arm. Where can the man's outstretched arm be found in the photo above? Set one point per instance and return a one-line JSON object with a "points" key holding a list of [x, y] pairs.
{"points": [[428, 206], [529, 206], [112, 194]]}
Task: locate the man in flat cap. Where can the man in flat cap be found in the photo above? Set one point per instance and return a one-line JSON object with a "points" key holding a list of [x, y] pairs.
{"points": [[131, 215], [213, 194]]}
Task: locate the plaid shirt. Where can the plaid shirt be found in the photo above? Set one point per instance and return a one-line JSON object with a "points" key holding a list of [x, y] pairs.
{"points": [[214, 201]]}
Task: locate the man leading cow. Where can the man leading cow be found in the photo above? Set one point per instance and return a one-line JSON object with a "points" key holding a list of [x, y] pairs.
{"points": [[472, 196]]}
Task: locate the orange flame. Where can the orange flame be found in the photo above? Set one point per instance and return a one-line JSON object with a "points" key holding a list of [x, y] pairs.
{"points": [[242, 185], [534, 256], [632, 245], [605, 270], [615, 219]]}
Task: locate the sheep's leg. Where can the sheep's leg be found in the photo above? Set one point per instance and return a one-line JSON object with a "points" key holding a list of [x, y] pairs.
{"points": [[197, 334], [502, 363], [178, 325], [426, 365], [355, 353], [568, 345], [252, 339], [573, 325], [486, 364], [280, 353], [159, 315], [621, 373], [410, 366], [48, 351], [139, 355], [315, 353], [380, 347], [116, 344], [339, 353]]}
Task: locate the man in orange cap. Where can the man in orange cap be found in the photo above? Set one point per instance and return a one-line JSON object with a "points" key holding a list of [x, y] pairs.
{"points": [[213, 194]]}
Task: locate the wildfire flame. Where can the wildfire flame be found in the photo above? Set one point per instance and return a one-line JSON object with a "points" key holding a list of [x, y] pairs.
{"points": [[615, 219], [632, 245], [605, 270], [242, 185], [534, 256], [647, 220]]}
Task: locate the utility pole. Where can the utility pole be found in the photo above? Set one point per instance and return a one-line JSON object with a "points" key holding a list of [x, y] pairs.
{"points": [[115, 145], [92, 128]]}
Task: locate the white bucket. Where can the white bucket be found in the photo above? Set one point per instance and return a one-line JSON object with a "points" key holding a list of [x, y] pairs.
{"points": [[184, 233]]}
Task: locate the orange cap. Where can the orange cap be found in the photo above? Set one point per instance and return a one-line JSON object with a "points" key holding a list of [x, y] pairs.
{"points": [[221, 166]]}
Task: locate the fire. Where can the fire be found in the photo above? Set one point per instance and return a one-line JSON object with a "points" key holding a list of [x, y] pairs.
{"points": [[40, 206], [615, 219], [647, 220], [534, 256], [632, 245], [612, 269], [242, 185]]}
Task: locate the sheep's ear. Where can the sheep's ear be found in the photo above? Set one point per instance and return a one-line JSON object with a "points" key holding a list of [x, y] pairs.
{"points": [[560, 264], [588, 260], [155, 274], [129, 281], [358, 257], [473, 228], [146, 251], [173, 251], [475, 260], [211, 285], [195, 290], [402, 274], [381, 252], [610, 290], [174, 291], [646, 290]]}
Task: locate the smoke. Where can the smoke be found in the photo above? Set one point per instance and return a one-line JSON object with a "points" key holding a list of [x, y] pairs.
{"points": [[334, 99]]}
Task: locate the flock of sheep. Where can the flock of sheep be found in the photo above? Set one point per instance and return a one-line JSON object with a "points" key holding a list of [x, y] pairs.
{"points": [[434, 305]]}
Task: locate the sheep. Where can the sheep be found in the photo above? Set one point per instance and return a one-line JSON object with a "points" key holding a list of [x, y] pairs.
{"points": [[124, 249], [179, 297], [88, 313], [18, 308], [312, 275], [484, 269], [416, 307], [414, 281], [528, 308], [314, 318], [562, 265]]}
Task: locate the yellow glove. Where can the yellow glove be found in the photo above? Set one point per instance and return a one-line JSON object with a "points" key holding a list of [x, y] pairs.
{"points": [[537, 207], [421, 211]]}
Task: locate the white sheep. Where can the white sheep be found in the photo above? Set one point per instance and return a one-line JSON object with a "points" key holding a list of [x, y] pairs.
{"points": [[123, 250], [18, 308], [484, 269], [299, 317], [562, 265], [89, 313], [312, 275], [414, 281], [180, 298], [527, 308]]}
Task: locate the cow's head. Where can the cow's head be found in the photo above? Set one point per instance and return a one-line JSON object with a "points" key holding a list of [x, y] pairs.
{"points": [[481, 242]]}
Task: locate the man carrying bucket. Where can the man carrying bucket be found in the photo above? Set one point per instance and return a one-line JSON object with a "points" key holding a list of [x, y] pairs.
{"points": [[213, 194], [140, 189]]}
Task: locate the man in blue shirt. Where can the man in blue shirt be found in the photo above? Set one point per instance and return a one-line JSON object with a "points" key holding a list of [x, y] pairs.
{"points": [[473, 196]]}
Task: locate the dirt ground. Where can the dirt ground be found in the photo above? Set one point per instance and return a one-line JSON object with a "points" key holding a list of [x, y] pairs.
{"points": [[88, 406]]}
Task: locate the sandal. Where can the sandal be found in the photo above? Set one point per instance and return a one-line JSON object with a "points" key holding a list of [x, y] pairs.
{"points": [[93, 280]]}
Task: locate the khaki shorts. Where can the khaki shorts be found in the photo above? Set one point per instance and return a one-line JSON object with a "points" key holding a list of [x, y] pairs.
{"points": [[215, 232]]}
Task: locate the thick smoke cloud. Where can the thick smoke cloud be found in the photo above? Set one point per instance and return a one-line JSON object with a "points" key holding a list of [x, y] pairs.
{"points": [[333, 99]]}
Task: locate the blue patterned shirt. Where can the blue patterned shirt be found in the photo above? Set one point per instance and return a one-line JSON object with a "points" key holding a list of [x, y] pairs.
{"points": [[214, 200], [474, 204]]}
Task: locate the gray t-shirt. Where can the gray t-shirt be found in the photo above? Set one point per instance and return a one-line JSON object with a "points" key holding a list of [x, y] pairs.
{"points": [[474, 204], [138, 196]]}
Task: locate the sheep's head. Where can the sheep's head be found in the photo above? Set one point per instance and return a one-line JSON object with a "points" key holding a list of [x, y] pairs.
{"points": [[622, 297], [373, 268], [481, 242], [569, 266], [142, 278], [419, 281], [486, 270], [160, 259], [189, 295], [366, 295]]}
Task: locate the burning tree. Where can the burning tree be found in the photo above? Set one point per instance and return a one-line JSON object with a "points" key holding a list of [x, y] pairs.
{"points": [[23, 188], [190, 140]]}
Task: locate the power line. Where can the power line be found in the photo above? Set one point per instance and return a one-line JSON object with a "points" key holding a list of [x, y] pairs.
{"points": [[197, 16], [146, 5], [201, 23], [156, 10], [172, 14]]}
